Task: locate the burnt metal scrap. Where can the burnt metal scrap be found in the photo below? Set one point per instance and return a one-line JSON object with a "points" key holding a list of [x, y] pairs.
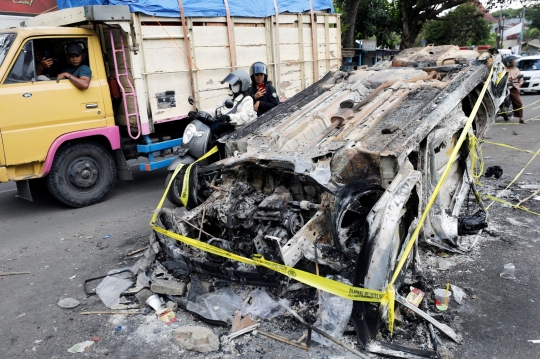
{"points": [[336, 178]]}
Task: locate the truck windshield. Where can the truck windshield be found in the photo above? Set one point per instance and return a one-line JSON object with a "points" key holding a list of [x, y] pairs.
{"points": [[6, 39], [529, 65]]}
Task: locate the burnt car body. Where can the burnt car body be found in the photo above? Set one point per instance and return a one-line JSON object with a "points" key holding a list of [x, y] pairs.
{"points": [[340, 173]]}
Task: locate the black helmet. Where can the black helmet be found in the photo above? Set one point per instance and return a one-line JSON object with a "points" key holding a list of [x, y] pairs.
{"points": [[509, 59], [258, 68]]}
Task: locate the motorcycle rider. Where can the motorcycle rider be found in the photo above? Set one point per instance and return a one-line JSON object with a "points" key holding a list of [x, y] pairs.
{"points": [[514, 84], [242, 113], [264, 94]]}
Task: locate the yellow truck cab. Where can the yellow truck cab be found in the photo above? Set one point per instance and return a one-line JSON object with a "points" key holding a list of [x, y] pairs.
{"points": [[143, 69], [48, 126]]}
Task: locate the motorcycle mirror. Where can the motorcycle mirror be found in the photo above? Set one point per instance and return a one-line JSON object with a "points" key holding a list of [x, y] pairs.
{"points": [[190, 100], [229, 103]]}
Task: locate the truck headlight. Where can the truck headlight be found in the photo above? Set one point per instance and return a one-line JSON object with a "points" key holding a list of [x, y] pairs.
{"points": [[189, 132]]}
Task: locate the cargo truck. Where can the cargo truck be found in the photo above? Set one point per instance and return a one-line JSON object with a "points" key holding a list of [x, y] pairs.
{"points": [[144, 68]]}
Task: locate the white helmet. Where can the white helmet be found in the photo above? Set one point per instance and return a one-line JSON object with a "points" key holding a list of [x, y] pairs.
{"points": [[238, 77]]}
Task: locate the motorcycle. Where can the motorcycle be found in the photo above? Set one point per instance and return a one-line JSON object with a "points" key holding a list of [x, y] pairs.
{"points": [[197, 140], [505, 110]]}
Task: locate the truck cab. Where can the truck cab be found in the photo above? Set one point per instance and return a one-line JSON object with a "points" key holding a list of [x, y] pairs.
{"points": [[48, 126]]}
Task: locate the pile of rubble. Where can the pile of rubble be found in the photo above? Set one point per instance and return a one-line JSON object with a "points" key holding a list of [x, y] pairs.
{"points": [[162, 284]]}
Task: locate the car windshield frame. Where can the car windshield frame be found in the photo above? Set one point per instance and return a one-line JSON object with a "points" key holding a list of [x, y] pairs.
{"points": [[530, 62], [6, 40]]}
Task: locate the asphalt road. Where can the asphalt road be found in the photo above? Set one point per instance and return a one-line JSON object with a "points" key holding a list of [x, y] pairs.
{"points": [[62, 247]]}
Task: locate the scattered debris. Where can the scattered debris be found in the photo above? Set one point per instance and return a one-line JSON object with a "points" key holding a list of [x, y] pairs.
{"points": [[509, 271], [263, 306], [326, 335], [415, 296], [239, 323], [80, 347], [281, 339], [106, 236], [110, 288], [110, 312], [444, 264], [218, 305], [495, 171], [442, 297], [529, 186], [171, 287], [137, 251], [241, 331], [6, 274], [443, 254], [534, 341], [167, 315], [68, 303], [196, 338], [472, 224], [332, 315], [442, 327], [21, 315], [458, 293], [528, 198], [143, 295], [515, 222]]}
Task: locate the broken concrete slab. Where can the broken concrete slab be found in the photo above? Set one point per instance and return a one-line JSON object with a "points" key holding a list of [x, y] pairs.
{"points": [[143, 295], [196, 338], [170, 287]]}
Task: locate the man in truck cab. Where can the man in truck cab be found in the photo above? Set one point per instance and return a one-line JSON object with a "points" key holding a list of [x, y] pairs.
{"points": [[77, 73]]}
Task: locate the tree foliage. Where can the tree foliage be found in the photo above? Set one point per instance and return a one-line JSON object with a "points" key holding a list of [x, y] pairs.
{"points": [[381, 18], [463, 26], [374, 18]]}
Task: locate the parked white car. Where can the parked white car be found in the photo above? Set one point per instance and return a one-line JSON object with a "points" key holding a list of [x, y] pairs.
{"points": [[530, 68]]}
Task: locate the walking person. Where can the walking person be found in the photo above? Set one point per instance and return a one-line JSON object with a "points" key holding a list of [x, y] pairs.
{"points": [[514, 84]]}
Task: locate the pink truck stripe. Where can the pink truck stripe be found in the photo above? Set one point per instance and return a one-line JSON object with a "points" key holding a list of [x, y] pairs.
{"points": [[112, 134]]}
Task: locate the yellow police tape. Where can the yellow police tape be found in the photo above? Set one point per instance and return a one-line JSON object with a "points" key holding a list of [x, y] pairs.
{"points": [[497, 199], [521, 108], [477, 159], [386, 298], [507, 146]]}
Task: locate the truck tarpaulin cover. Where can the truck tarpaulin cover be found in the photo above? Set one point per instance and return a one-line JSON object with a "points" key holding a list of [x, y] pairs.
{"points": [[207, 8]]}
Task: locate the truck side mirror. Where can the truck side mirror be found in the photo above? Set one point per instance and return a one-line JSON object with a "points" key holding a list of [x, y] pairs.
{"points": [[190, 100], [229, 103]]}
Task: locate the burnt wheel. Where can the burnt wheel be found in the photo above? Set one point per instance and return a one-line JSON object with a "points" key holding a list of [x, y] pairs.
{"points": [[173, 195], [82, 174]]}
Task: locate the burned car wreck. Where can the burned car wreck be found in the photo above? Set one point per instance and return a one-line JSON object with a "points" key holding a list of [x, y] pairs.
{"points": [[336, 178]]}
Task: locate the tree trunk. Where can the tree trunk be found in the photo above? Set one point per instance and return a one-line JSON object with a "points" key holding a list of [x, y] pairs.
{"points": [[349, 22]]}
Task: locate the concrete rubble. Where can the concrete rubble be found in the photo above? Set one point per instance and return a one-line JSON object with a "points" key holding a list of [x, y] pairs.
{"points": [[196, 338]]}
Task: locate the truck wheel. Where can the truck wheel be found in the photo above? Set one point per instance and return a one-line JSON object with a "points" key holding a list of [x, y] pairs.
{"points": [[173, 195], [82, 174]]}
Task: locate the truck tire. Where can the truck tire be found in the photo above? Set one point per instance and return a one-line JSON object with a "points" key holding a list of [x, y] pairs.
{"points": [[82, 174], [173, 195]]}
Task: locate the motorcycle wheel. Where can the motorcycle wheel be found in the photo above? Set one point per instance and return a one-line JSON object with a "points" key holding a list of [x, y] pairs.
{"points": [[173, 194]]}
